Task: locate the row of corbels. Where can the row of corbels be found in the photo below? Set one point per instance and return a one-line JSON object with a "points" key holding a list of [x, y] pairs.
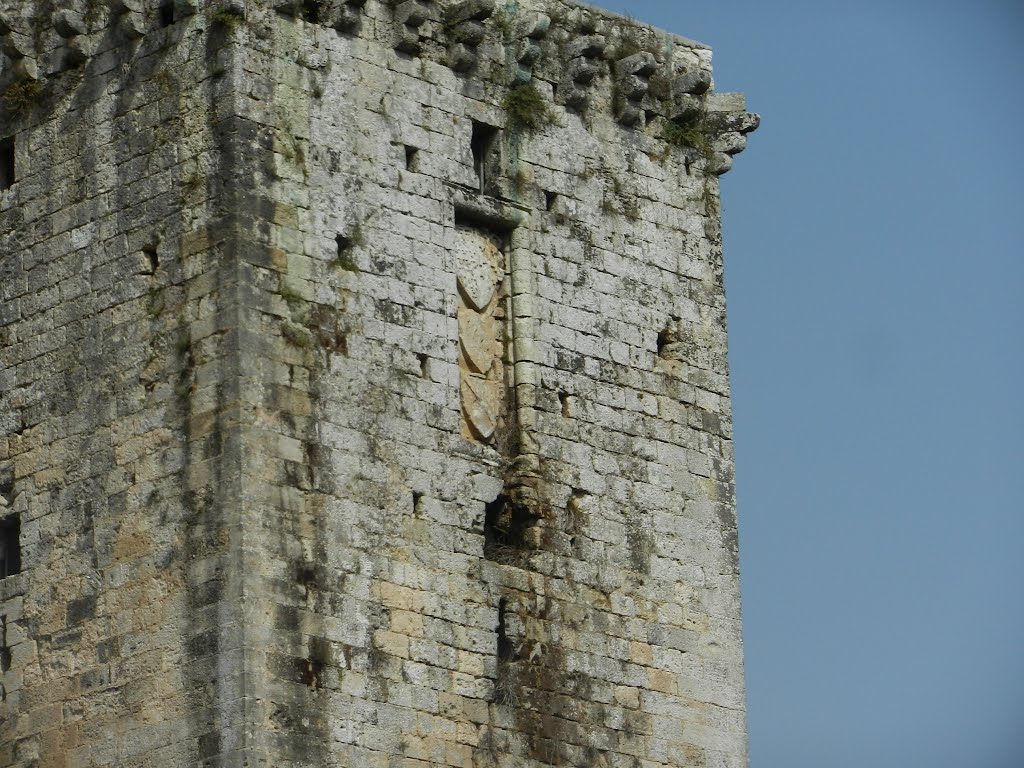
{"points": [[342, 15], [19, 59]]}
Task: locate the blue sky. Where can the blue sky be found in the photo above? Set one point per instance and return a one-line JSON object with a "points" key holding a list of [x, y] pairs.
{"points": [[873, 237]]}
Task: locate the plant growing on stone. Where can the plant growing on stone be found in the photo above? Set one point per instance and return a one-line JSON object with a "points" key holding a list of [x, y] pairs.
{"points": [[694, 133], [526, 108], [226, 16], [22, 97]]}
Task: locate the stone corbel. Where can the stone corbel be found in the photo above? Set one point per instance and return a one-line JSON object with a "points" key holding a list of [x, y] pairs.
{"points": [[466, 30], [583, 55], [128, 17], [528, 31], [71, 26], [633, 81], [17, 54], [729, 121], [342, 15], [345, 16], [410, 18]]}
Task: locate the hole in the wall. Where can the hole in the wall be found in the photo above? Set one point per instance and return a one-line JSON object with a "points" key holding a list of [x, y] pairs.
{"points": [[666, 336], [165, 14], [10, 546], [505, 650], [5, 652], [343, 253], [7, 169], [687, 162], [411, 158], [505, 524], [563, 399], [311, 11], [417, 497], [424, 366], [481, 143], [152, 259], [550, 200]]}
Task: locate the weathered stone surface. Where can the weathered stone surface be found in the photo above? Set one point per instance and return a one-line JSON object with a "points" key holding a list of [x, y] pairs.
{"points": [[318, 456]]}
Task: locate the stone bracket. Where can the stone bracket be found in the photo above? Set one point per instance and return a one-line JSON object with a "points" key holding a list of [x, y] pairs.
{"points": [[17, 54], [465, 24], [410, 18], [342, 15], [527, 32], [633, 81], [728, 119]]}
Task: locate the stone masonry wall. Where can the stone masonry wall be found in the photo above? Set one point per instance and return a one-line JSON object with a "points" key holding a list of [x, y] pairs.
{"points": [[364, 388]]}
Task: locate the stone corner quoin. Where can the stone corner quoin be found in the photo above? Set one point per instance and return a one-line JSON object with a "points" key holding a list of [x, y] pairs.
{"points": [[364, 395]]}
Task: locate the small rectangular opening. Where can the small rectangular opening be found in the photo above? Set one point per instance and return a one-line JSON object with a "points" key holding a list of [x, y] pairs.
{"points": [[410, 158], [166, 13], [7, 163], [481, 144], [550, 200], [10, 546]]}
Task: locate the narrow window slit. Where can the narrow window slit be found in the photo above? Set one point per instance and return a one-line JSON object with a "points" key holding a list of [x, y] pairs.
{"points": [[481, 144], [563, 399], [5, 651], [417, 497], [166, 12], [152, 259], [343, 253], [550, 200], [506, 651], [411, 154], [7, 168], [311, 11], [424, 365], [666, 338], [10, 546]]}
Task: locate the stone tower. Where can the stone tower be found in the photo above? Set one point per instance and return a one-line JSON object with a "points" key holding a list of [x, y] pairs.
{"points": [[363, 388]]}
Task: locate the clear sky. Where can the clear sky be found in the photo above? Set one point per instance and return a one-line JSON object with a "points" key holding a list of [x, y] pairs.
{"points": [[873, 245]]}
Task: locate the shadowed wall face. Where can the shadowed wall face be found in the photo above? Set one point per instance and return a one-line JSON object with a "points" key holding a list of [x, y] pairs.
{"points": [[368, 397]]}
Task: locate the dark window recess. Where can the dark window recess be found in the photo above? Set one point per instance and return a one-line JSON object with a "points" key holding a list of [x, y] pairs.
{"points": [[505, 524], [166, 12], [550, 200], [506, 650], [563, 399], [6, 162], [311, 11], [152, 259], [10, 546], [5, 652], [410, 158], [424, 366], [482, 142]]}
